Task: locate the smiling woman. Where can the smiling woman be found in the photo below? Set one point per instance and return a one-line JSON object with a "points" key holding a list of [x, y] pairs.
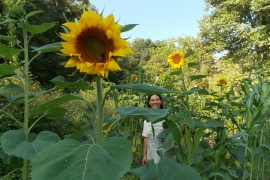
{"points": [[151, 143]]}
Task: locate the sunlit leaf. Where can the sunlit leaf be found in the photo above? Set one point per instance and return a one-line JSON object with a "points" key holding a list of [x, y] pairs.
{"points": [[70, 159], [36, 29], [144, 113]]}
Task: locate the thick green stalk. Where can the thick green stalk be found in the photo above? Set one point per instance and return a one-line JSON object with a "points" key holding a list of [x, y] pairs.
{"points": [[100, 109], [184, 88], [245, 161], [26, 103]]}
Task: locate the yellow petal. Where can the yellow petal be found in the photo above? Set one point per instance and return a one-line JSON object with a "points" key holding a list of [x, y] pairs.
{"points": [[69, 47], [92, 70], [71, 63], [112, 65], [109, 34], [74, 28]]}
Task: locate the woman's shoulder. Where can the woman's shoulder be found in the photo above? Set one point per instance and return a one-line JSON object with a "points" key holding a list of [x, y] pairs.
{"points": [[148, 122]]}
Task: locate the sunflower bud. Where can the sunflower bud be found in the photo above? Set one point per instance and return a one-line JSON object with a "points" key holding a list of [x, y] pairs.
{"points": [[15, 12]]}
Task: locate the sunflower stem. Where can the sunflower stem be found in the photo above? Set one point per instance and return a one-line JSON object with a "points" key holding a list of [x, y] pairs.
{"points": [[184, 87], [26, 99], [100, 110]]}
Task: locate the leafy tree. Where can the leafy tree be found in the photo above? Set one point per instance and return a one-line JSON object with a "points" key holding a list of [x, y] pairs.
{"points": [[142, 53], [240, 29]]}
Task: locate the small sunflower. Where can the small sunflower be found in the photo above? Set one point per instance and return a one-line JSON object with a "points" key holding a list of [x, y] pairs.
{"points": [[176, 60], [211, 98], [222, 82], [93, 43]]}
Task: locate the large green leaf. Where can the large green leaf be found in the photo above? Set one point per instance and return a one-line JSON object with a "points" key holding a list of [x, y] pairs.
{"points": [[144, 113], [36, 29], [14, 143], [57, 112], [169, 169], [145, 88], [237, 152], [13, 161], [146, 172], [70, 159], [165, 169], [54, 103], [80, 84], [11, 88], [8, 52], [48, 48], [6, 69], [175, 131], [10, 139]]}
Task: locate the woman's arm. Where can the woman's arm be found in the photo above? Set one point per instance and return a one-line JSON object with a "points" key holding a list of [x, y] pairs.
{"points": [[145, 147]]}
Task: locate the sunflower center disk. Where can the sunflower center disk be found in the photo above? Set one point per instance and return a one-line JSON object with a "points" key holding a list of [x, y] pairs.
{"points": [[176, 60], [95, 48]]}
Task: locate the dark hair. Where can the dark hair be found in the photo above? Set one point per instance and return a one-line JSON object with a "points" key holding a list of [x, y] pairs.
{"points": [[148, 99]]}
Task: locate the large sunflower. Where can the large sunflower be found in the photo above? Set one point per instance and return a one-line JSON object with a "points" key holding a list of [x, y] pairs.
{"points": [[93, 43], [176, 60], [222, 82]]}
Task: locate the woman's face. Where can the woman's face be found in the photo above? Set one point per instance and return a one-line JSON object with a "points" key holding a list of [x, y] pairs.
{"points": [[155, 102]]}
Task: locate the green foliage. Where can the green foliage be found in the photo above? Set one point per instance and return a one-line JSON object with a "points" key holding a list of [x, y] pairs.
{"points": [[72, 159], [165, 169], [222, 137], [239, 29], [15, 143]]}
